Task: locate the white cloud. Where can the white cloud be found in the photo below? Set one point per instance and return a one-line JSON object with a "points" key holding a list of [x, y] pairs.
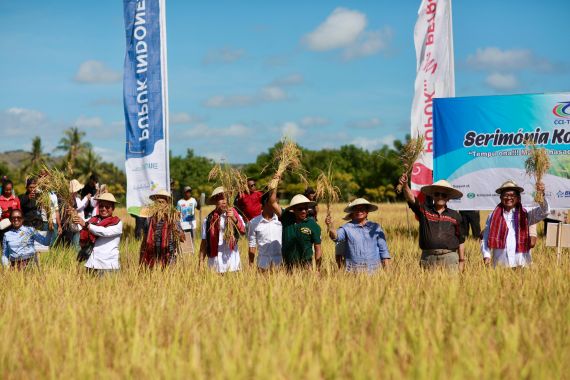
{"points": [[223, 55], [310, 121], [291, 130], [272, 94], [204, 131], [83, 122], [223, 101], [346, 29], [502, 82], [341, 28], [372, 144], [96, 72], [369, 43], [495, 59], [21, 121], [364, 124], [184, 118]]}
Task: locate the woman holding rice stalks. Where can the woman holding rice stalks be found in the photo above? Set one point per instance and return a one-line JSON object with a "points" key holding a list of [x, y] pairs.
{"points": [[221, 230], [162, 242]]}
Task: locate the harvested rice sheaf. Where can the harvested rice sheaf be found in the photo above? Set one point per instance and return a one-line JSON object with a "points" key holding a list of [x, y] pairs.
{"points": [[410, 154], [326, 190], [287, 158], [536, 165]]}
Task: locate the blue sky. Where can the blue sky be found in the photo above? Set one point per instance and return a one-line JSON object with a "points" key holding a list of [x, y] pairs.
{"points": [[243, 73]]}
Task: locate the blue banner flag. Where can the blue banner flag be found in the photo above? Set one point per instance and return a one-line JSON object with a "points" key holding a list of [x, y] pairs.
{"points": [[479, 143], [145, 96]]}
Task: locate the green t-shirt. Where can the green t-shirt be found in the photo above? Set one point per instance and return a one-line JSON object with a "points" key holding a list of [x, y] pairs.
{"points": [[298, 238]]}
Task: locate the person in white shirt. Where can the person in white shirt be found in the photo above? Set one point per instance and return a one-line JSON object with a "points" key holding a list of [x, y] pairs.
{"points": [[222, 253], [103, 233], [507, 241], [80, 203], [264, 234], [187, 207]]}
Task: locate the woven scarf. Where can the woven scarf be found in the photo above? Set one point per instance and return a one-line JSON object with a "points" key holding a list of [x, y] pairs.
{"points": [[87, 237], [498, 229], [149, 253], [214, 232]]}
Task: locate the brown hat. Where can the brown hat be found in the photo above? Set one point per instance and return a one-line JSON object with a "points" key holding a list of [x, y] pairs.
{"points": [[509, 185], [442, 186]]}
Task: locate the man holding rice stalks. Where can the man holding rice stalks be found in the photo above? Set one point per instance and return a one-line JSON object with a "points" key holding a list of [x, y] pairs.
{"points": [[264, 234], [221, 230], [506, 240], [301, 233], [364, 241], [441, 240]]}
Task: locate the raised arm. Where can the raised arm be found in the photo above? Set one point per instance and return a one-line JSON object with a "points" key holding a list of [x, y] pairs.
{"points": [[274, 203], [408, 195]]}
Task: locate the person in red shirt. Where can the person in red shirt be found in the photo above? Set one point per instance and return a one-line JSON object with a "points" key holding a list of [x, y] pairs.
{"points": [[8, 202], [249, 205]]}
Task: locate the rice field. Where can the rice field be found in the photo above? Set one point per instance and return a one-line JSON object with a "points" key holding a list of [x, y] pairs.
{"points": [[189, 323]]}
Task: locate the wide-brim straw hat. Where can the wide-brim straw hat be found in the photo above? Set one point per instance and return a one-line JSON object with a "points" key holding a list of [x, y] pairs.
{"points": [[442, 186], [75, 186], [162, 193], [509, 185], [359, 202], [218, 190], [107, 197], [300, 199]]}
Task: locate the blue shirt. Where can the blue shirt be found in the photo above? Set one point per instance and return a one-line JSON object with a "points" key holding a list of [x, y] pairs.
{"points": [[363, 246], [19, 244]]}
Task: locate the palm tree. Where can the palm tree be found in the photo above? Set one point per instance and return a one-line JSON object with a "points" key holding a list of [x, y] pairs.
{"points": [[90, 163], [72, 144], [36, 157]]}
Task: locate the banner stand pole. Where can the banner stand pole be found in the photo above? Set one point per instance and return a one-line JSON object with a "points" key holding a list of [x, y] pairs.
{"points": [[558, 243], [408, 223]]}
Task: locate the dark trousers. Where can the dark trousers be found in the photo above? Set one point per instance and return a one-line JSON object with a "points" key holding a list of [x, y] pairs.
{"points": [[141, 227], [473, 219]]}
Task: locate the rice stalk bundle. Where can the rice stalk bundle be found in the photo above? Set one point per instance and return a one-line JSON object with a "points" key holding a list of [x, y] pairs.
{"points": [[410, 154], [287, 158], [234, 183], [54, 180], [326, 190], [536, 165], [166, 212]]}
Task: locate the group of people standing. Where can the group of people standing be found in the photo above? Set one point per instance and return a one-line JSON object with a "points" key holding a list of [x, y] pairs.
{"points": [[277, 236]]}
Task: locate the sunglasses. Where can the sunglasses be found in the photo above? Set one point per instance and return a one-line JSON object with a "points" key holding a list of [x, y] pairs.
{"points": [[439, 195], [251, 185], [16, 218], [302, 208]]}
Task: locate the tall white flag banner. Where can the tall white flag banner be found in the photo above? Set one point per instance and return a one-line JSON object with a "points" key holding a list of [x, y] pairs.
{"points": [[145, 95], [433, 38]]}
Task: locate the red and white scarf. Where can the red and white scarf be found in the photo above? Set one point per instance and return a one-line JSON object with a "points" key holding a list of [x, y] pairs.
{"points": [[498, 229], [214, 231]]}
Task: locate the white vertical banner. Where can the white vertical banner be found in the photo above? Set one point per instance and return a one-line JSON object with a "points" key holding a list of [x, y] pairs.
{"points": [[433, 39], [145, 95]]}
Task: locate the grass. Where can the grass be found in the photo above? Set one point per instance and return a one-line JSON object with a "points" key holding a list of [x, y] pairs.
{"points": [[188, 322]]}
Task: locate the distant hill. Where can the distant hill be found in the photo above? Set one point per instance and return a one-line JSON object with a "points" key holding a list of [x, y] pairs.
{"points": [[13, 159]]}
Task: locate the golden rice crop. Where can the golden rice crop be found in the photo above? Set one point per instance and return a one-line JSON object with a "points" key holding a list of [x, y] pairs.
{"points": [[536, 165], [287, 158], [188, 322], [326, 191], [410, 154]]}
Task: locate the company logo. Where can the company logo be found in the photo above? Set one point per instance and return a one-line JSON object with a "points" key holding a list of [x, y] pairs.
{"points": [[563, 194], [470, 195], [146, 166], [153, 185], [562, 110]]}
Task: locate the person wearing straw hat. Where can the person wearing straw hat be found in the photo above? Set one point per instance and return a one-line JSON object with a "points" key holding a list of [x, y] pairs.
{"points": [[506, 240], [300, 233], [160, 245], [100, 237], [79, 205], [18, 243], [365, 247], [441, 240], [220, 247]]}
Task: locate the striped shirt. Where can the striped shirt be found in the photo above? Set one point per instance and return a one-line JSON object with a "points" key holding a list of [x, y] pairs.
{"points": [[438, 231]]}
